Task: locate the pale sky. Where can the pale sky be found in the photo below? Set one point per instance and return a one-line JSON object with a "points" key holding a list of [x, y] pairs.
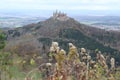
{"points": [[95, 7]]}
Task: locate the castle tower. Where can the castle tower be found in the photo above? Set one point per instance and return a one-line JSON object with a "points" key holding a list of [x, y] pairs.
{"points": [[60, 16]]}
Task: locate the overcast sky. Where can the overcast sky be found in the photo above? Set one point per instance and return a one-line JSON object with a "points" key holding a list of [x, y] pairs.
{"points": [[87, 7]]}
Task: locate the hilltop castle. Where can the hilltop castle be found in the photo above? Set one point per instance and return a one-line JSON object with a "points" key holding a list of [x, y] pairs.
{"points": [[60, 16]]}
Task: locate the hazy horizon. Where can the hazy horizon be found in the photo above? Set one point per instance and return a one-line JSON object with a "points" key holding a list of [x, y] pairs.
{"points": [[71, 7]]}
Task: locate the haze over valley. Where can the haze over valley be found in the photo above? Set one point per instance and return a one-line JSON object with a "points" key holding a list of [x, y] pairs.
{"points": [[10, 21]]}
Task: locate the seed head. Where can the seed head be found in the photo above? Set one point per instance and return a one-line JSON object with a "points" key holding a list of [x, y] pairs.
{"points": [[112, 63], [48, 64], [54, 44], [83, 50]]}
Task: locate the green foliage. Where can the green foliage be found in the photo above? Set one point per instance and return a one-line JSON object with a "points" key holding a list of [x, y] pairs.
{"points": [[14, 33], [100, 70], [32, 61], [2, 40], [45, 41], [83, 40], [5, 63], [5, 58], [117, 73]]}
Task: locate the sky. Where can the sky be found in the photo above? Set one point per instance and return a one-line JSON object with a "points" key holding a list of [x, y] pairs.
{"points": [[71, 7]]}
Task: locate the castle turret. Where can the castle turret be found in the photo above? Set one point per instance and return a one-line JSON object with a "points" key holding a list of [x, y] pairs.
{"points": [[60, 16]]}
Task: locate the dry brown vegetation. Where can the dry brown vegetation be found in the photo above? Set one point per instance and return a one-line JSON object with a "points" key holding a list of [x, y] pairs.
{"points": [[75, 66]]}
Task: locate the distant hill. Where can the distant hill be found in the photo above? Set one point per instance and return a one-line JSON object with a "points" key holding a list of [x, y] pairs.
{"points": [[64, 29]]}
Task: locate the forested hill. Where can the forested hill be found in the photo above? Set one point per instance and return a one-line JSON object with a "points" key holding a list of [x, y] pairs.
{"points": [[64, 29]]}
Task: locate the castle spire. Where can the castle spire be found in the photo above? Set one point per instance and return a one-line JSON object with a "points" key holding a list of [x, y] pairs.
{"points": [[60, 15]]}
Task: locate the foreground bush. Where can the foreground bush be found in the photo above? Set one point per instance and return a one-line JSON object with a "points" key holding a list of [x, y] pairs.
{"points": [[75, 66]]}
